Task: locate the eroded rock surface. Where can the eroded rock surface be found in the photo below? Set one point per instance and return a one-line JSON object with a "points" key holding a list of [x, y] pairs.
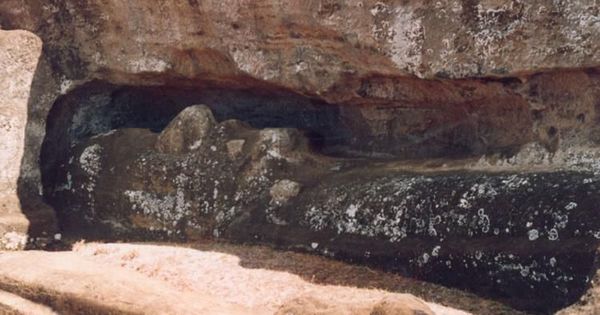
{"points": [[11, 303], [71, 284], [313, 45], [513, 85], [19, 218], [168, 279], [493, 232], [365, 58]]}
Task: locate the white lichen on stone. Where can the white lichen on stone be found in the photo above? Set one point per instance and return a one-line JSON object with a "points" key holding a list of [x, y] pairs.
{"points": [[194, 146], [65, 86], [436, 251], [553, 234], [90, 159], [407, 36], [533, 234], [355, 218], [464, 203], [575, 158], [351, 211], [148, 64], [484, 220], [13, 240], [169, 209], [572, 205]]}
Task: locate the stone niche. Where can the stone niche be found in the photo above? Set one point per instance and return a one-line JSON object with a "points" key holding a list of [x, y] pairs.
{"points": [[264, 165], [451, 141]]}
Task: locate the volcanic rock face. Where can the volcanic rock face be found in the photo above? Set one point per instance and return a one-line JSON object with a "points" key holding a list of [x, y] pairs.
{"points": [[19, 64], [531, 232], [311, 46], [19, 218], [456, 141]]}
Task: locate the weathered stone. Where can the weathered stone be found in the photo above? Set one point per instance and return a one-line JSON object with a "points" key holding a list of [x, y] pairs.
{"points": [[281, 143], [19, 55], [235, 147], [408, 305], [18, 59], [15, 304], [120, 278], [400, 305], [71, 284], [313, 46], [514, 85], [283, 190], [492, 232], [188, 132], [361, 57]]}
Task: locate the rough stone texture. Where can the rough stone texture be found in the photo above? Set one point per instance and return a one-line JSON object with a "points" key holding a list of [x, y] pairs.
{"points": [[13, 304], [365, 56], [71, 284], [268, 281], [403, 305], [512, 84], [357, 52], [19, 55], [588, 304], [187, 132], [311, 45], [161, 279], [492, 232], [283, 190]]}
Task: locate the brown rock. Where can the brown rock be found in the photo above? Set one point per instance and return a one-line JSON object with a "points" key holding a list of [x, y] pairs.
{"points": [[235, 147], [398, 305], [283, 190], [364, 57], [312, 46], [14, 304], [408, 305], [395, 79], [19, 218], [188, 131], [71, 284], [447, 223]]}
